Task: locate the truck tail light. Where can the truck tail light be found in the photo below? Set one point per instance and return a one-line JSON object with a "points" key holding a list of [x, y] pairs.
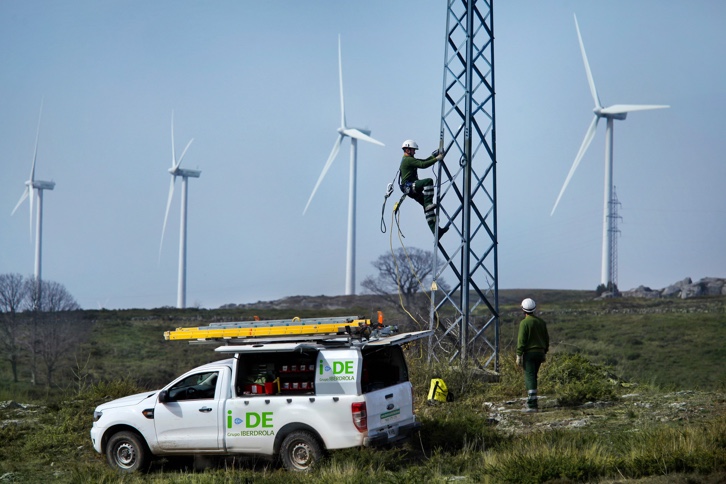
{"points": [[360, 417]]}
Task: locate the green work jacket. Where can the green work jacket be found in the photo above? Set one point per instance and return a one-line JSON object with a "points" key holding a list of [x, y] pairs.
{"points": [[410, 165], [533, 335]]}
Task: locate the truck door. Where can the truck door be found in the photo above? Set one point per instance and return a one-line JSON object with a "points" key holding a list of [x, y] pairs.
{"points": [[190, 419]]}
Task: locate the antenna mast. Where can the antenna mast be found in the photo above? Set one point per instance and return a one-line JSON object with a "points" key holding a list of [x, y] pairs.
{"points": [[465, 318]]}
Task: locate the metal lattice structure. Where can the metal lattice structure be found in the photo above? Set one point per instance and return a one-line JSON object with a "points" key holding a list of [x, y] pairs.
{"points": [[465, 316], [614, 233]]}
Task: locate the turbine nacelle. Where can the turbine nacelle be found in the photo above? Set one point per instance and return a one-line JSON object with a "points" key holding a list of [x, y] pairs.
{"points": [[184, 172], [40, 185], [601, 113]]}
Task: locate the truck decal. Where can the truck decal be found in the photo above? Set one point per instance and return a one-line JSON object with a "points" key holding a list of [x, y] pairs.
{"points": [[390, 414], [343, 370], [251, 420]]}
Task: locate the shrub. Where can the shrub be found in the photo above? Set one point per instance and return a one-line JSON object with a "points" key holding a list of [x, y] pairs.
{"points": [[575, 380]]}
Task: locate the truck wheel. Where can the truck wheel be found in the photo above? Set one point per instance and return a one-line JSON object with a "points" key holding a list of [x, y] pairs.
{"points": [[300, 451], [126, 452]]}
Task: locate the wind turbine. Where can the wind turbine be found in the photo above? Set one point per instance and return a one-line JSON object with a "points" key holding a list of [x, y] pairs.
{"points": [[610, 113], [176, 171], [354, 134], [33, 186]]}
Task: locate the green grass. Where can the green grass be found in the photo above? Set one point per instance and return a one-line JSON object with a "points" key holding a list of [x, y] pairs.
{"points": [[671, 343], [668, 352]]}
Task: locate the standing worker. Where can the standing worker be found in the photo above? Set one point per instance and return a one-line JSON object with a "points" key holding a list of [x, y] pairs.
{"points": [[533, 343], [420, 190]]}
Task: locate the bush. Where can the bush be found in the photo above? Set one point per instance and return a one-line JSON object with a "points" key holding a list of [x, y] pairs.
{"points": [[575, 380]]}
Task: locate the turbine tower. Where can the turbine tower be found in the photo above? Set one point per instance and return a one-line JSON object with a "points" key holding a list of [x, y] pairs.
{"points": [[176, 171], [33, 186], [354, 134], [610, 113]]}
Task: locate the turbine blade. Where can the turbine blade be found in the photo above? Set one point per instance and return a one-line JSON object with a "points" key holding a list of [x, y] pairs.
{"points": [[35, 150], [358, 134], [166, 215], [629, 108], [31, 194], [583, 148], [333, 154], [173, 151], [20, 202], [340, 76], [590, 80], [184, 153]]}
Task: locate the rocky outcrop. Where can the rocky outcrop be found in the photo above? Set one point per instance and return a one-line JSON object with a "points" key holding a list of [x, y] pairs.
{"points": [[685, 289]]}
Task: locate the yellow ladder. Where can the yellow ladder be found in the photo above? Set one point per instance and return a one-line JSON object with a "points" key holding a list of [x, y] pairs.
{"points": [[282, 327]]}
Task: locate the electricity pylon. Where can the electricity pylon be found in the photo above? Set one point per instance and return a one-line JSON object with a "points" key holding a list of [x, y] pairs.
{"points": [[465, 317]]}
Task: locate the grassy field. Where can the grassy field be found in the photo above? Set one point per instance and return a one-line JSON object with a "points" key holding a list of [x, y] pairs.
{"points": [[634, 390]]}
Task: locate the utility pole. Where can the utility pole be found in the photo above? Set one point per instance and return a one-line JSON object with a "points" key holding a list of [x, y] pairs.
{"points": [[465, 318]]}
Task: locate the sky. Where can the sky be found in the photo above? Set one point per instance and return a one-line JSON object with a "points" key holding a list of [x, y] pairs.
{"points": [[255, 84]]}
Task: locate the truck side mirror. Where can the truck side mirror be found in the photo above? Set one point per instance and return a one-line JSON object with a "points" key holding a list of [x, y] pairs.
{"points": [[164, 396]]}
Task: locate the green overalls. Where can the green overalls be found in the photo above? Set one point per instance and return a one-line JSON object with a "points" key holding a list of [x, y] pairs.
{"points": [[533, 342]]}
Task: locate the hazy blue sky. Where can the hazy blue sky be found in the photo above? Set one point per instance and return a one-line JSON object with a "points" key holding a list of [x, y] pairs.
{"points": [[255, 84]]}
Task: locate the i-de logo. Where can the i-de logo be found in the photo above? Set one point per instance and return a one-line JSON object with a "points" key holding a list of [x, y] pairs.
{"points": [[342, 370], [251, 420], [339, 367]]}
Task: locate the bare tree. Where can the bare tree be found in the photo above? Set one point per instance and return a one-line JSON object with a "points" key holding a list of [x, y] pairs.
{"points": [[57, 336], [403, 278], [50, 296], [45, 335], [13, 300]]}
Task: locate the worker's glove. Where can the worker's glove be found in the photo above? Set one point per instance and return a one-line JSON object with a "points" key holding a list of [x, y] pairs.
{"points": [[519, 360], [435, 152], [439, 155]]}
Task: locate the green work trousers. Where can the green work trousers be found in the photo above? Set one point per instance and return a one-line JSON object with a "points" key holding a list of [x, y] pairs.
{"points": [[423, 193], [532, 361]]}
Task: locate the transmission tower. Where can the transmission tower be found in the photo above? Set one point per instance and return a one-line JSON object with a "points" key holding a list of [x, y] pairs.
{"points": [[613, 221], [465, 317]]}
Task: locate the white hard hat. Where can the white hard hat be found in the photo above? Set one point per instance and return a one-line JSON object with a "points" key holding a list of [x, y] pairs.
{"points": [[409, 143], [528, 305]]}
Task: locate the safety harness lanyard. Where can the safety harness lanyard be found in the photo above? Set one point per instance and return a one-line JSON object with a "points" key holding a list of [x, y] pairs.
{"points": [[389, 192]]}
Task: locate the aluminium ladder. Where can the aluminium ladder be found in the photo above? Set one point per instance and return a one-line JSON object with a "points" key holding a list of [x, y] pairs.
{"points": [[340, 326]]}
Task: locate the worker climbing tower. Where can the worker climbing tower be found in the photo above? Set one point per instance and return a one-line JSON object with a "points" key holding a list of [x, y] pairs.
{"points": [[465, 313]]}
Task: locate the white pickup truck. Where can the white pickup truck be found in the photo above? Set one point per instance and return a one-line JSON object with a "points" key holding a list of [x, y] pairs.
{"points": [[292, 400]]}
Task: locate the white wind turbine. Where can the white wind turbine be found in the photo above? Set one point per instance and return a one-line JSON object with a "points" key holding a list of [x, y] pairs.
{"points": [[354, 134], [33, 186], [184, 174], [610, 113]]}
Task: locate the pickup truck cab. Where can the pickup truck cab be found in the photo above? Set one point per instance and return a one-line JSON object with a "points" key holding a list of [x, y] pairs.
{"points": [[294, 400]]}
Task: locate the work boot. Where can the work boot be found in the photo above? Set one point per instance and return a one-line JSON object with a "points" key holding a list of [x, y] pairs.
{"points": [[443, 230], [532, 401]]}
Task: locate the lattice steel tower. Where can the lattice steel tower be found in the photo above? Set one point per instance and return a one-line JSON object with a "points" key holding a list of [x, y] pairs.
{"points": [[465, 316], [613, 220]]}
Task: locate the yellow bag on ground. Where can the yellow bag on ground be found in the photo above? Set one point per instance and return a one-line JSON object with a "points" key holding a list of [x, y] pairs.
{"points": [[438, 391]]}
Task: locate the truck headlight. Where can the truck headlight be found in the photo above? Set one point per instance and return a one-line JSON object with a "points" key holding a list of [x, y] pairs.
{"points": [[97, 415]]}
